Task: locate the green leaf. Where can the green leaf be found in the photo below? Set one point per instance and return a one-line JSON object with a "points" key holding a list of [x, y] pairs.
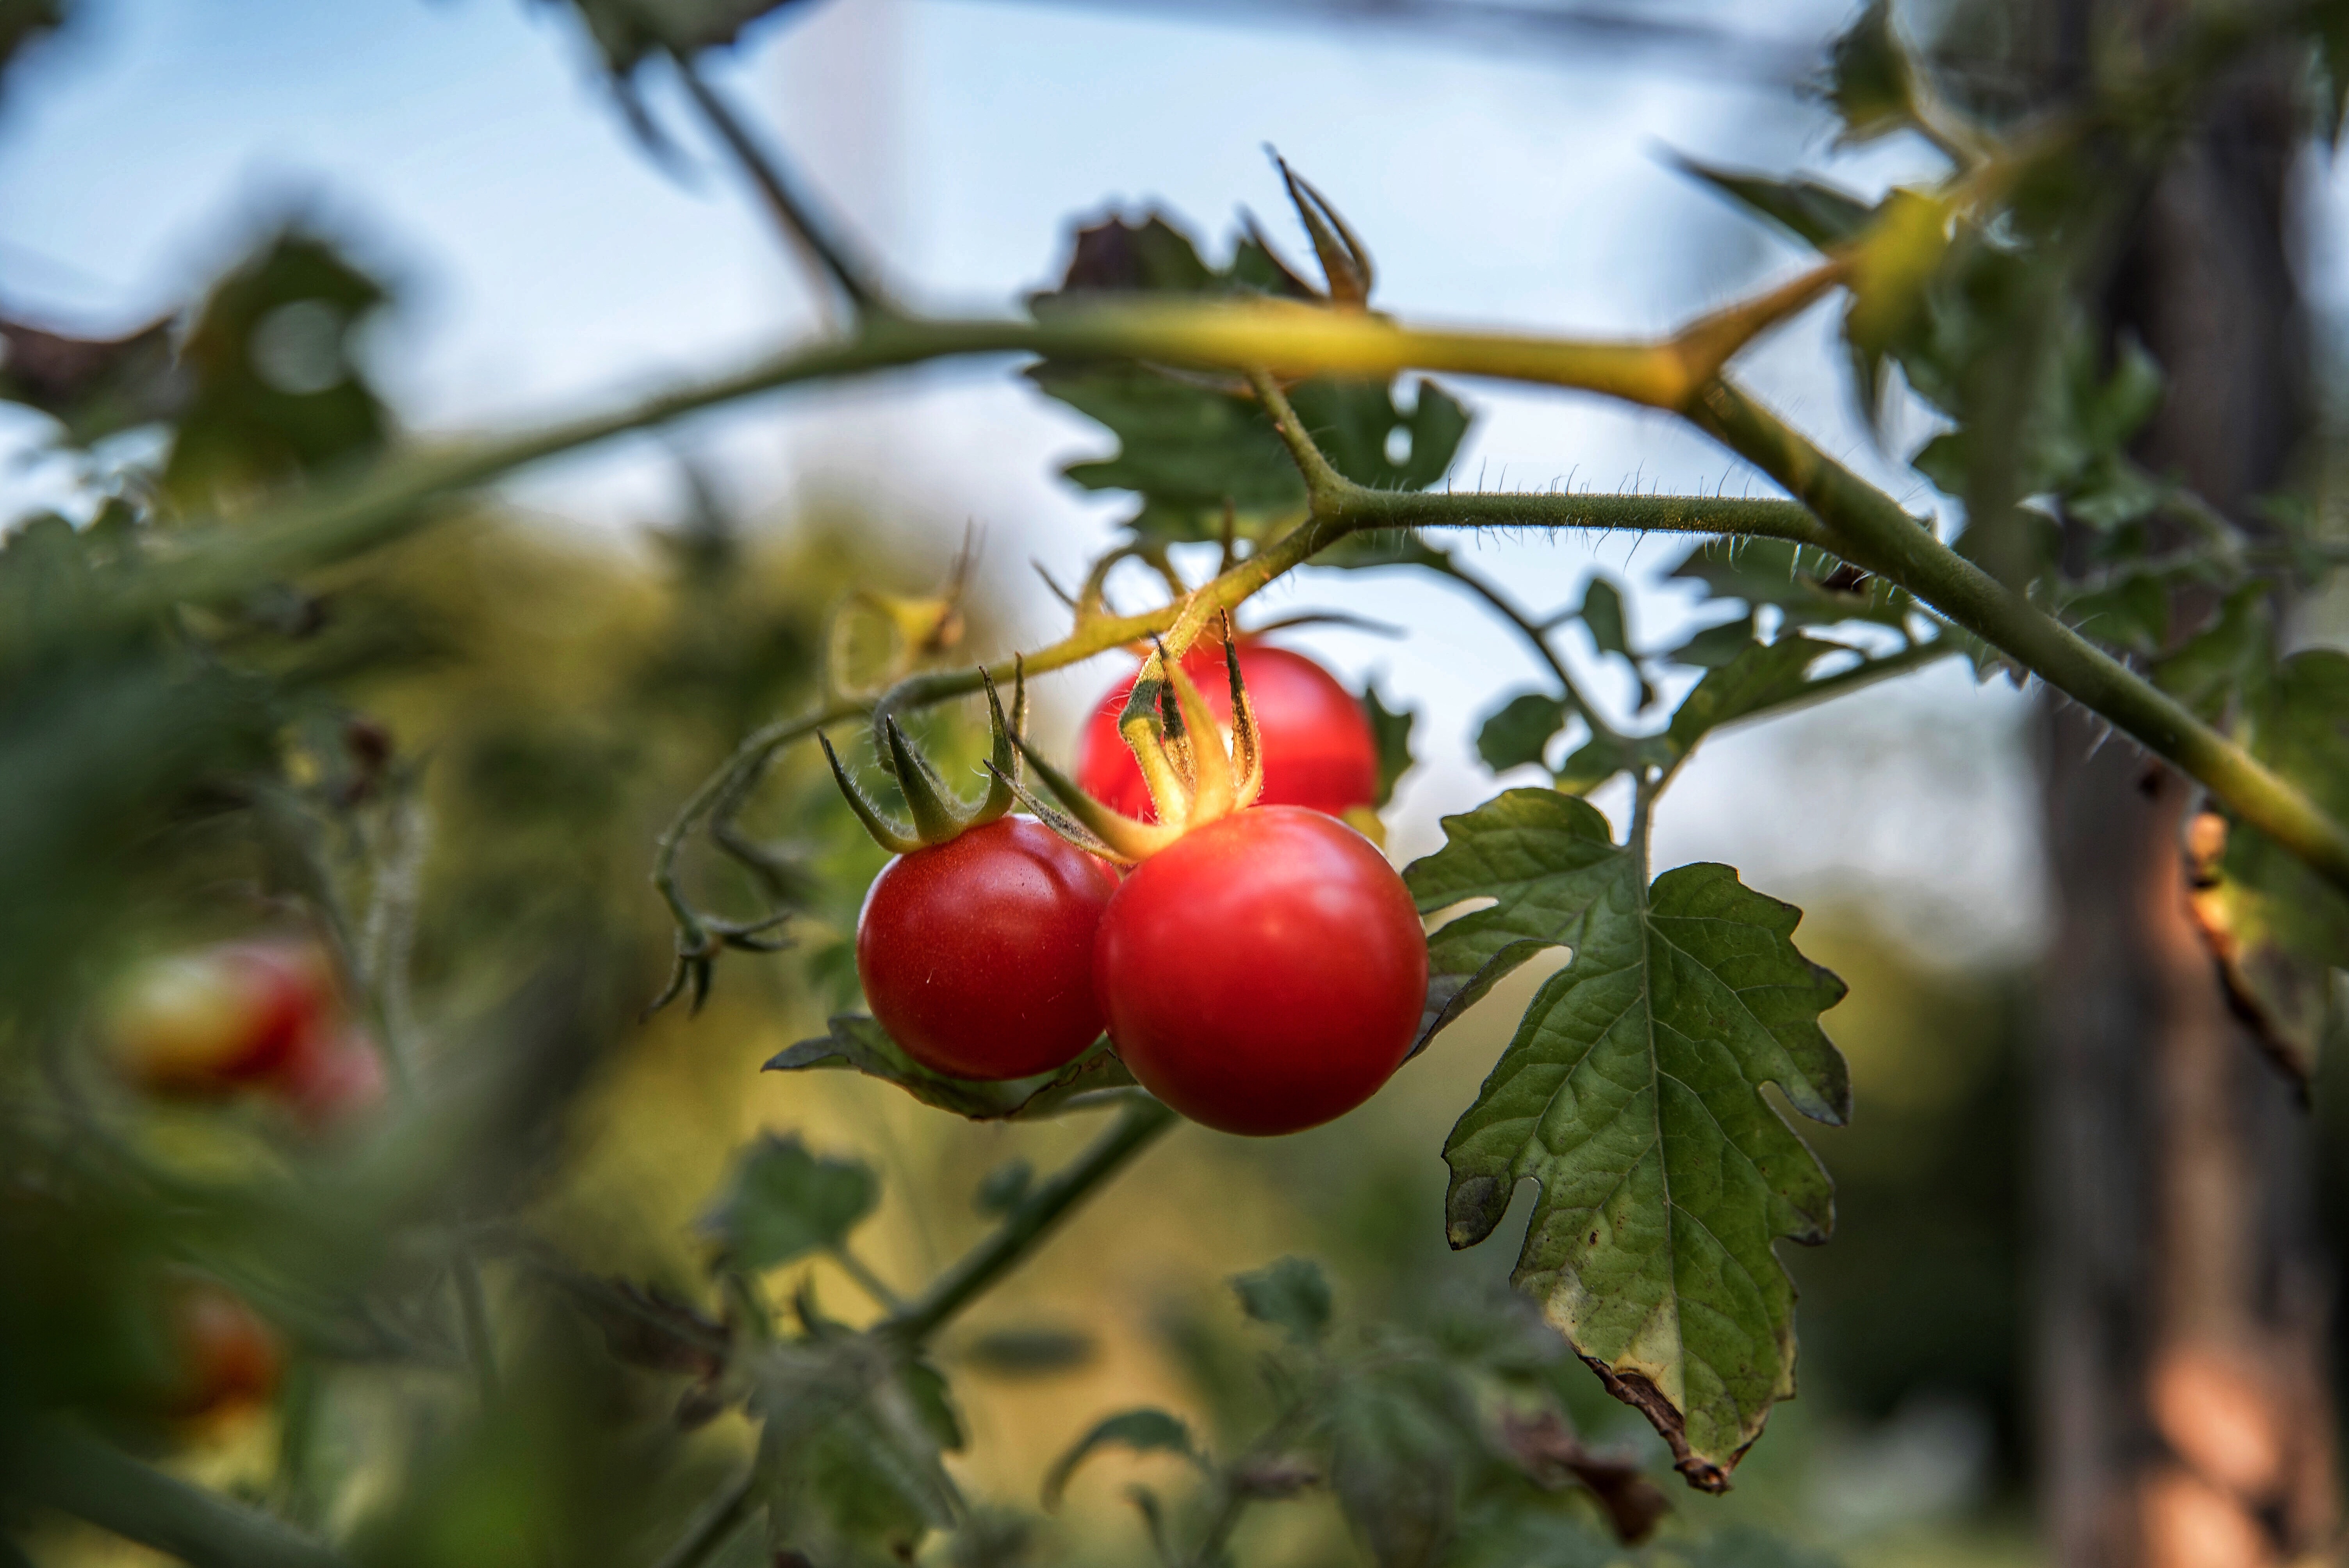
{"points": [[1870, 80], [1602, 756], [849, 1451], [1817, 213], [1762, 675], [1187, 443], [1602, 613], [1631, 1092], [2225, 662], [1144, 1431], [1395, 1451], [629, 30], [1290, 1294], [1184, 446], [274, 391], [92, 386], [862, 1044], [1002, 1188], [1155, 256], [786, 1202], [1715, 647], [1520, 730], [2279, 931], [1390, 733], [1355, 422]]}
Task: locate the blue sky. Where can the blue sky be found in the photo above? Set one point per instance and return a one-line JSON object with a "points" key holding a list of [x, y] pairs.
{"points": [[464, 148]]}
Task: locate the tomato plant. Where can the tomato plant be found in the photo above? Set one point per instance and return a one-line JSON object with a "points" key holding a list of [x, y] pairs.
{"points": [[1182, 929], [1318, 746], [1265, 973]]}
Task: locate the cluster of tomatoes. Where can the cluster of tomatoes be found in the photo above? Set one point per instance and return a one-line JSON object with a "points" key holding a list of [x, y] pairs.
{"points": [[1261, 974], [261, 1016]]}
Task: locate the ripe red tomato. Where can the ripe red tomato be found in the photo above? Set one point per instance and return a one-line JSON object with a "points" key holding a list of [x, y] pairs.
{"points": [[331, 1079], [976, 954], [1265, 973], [225, 1356], [1318, 746], [207, 1021]]}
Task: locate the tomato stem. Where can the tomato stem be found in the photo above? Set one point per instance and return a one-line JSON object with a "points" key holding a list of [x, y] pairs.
{"points": [[1141, 1123]]}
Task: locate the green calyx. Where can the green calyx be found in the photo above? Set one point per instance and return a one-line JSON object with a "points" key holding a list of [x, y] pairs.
{"points": [[1194, 775], [938, 817]]}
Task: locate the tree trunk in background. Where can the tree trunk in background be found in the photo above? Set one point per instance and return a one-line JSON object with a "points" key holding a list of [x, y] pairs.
{"points": [[2186, 1416]]}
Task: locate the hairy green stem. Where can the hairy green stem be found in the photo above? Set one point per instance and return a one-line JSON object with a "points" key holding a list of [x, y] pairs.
{"points": [[393, 496], [57, 1465], [1872, 531], [1140, 1124]]}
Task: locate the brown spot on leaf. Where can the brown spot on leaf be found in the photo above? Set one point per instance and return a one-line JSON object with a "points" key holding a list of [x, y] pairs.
{"points": [[1637, 1391]]}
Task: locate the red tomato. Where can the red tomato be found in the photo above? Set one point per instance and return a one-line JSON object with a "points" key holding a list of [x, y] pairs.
{"points": [[976, 954], [226, 1356], [205, 1021], [1318, 746], [1265, 973], [330, 1078]]}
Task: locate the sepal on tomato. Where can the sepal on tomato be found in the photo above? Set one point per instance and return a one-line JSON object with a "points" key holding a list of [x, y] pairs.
{"points": [[938, 817], [1194, 776]]}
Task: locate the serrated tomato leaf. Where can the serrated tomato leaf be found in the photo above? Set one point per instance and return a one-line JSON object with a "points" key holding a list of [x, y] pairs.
{"points": [[785, 1201], [1631, 1093], [1189, 444], [861, 1044]]}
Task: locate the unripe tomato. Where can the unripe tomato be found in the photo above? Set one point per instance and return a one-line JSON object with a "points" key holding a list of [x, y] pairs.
{"points": [[225, 1356], [1317, 742], [1264, 972], [205, 1021], [976, 954]]}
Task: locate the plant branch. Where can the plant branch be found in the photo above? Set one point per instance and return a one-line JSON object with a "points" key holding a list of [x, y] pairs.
{"points": [[1140, 1124], [871, 1283], [394, 496], [1323, 482], [59, 1466], [1872, 531], [1534, 638], [824, 253]]}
